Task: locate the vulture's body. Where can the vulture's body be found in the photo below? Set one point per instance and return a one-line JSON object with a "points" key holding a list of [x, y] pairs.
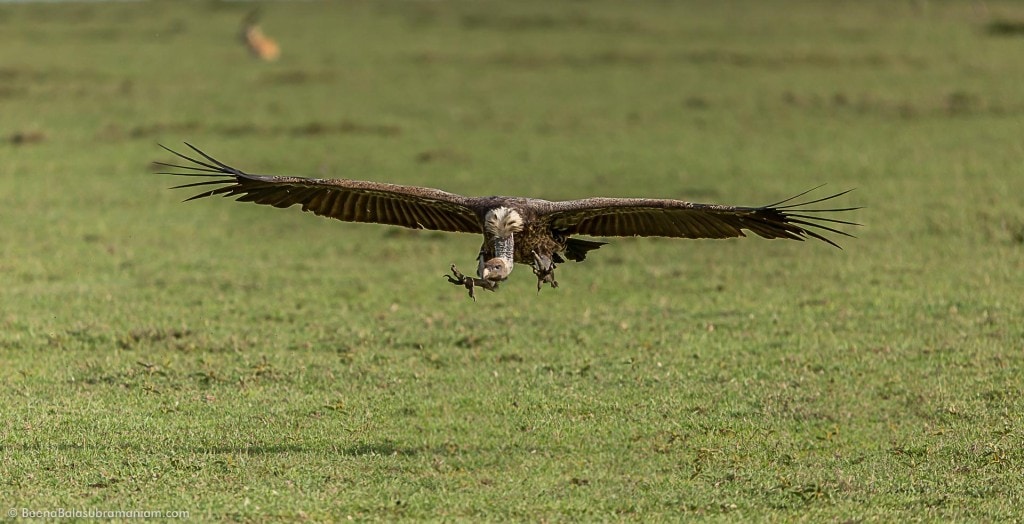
{"points": [[530, 231]]}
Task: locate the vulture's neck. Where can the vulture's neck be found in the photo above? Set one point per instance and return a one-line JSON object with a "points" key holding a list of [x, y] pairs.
{"points": [[505, 249]]}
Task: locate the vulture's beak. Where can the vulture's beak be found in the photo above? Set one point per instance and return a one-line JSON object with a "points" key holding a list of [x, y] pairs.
{"points": [[495, 270]]}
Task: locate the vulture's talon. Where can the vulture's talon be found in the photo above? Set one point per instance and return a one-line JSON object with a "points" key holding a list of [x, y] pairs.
{"points": [[548, 278], [544, 269], [456, 277], [545, 277], [470, 283]]}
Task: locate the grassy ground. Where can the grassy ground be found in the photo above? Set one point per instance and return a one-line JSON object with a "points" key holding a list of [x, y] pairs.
{"points": [[253, 364]]}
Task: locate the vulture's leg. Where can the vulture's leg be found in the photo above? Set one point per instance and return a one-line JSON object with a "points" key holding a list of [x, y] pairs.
{"points": [[544, 268], [470, 283], [459, 279]]}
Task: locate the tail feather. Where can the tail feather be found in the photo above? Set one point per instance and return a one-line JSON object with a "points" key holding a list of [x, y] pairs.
{"points": [[576, 249]]}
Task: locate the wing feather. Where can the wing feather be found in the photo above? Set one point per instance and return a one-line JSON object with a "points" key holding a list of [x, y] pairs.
{"points": [[342, 199], [605, 217]]}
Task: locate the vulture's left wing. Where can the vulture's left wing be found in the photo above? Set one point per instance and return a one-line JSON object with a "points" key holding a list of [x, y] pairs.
{"points": [[620, 217], [343, 199]]}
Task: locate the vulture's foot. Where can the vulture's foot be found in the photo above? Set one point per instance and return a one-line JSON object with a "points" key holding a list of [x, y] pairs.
{"points": [[544, 268], [470, 283]]}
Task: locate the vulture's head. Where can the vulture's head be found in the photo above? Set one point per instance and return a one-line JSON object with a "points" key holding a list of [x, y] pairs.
{"points": [[495, 270]]}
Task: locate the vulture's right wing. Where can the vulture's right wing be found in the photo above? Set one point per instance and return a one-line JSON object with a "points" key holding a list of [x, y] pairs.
{"points": [[343, 199]]}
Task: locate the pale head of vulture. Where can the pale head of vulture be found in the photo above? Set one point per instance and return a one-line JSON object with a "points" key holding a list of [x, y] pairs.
{"points": [[495, 270]]}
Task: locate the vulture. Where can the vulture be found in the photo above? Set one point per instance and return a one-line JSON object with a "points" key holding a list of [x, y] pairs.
{"points": [[531, 231]]}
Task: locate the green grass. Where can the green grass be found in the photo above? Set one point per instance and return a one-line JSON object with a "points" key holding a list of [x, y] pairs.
{"points": [[252, 364]]}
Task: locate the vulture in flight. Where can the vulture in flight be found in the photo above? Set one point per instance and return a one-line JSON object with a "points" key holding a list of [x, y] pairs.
{"points": [[531, 231]]}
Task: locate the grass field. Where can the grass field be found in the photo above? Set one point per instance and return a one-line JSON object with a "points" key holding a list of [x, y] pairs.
{"points": [[252, 364]]}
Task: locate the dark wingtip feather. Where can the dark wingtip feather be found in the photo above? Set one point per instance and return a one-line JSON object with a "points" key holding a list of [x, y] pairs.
{"points": [[794, 197], [198, 196], [822, 227], [223, 167], [203, 170], [205, 167], [795, 214], [824, 239], [824, 219], [204, 183], [809, 202]]}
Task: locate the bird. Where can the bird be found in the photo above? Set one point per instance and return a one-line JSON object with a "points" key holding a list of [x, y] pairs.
{"points": [[260, 45], [531, 231]]}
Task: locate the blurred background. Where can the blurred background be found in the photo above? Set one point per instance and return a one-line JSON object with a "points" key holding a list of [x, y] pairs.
{"points": [[918, 105]]}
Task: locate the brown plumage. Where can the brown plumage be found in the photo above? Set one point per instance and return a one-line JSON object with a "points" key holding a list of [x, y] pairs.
{"points": [[537, 232], [260, 45]]}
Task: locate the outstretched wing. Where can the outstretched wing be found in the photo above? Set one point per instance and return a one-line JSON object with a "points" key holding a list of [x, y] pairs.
{"points": [[346, 200], [611, 217]]}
